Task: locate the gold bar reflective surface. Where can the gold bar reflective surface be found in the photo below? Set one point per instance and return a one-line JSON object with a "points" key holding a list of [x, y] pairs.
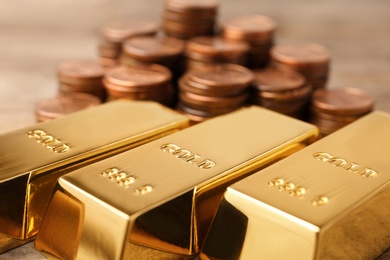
{"points": [[330, 200], [32, 159], [158, 200]]}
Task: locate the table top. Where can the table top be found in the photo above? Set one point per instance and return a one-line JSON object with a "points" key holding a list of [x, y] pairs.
{"points": [[36, 35]]}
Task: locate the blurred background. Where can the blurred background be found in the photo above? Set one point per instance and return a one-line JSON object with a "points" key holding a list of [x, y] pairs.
{"points": [[36, 35]]}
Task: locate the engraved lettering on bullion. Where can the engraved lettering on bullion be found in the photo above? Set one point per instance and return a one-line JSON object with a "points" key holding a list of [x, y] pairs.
{"points": [[320, 201], [188, 156], [344, 164], [143, 190], [121, 178], [291, 188], [48, 141]]}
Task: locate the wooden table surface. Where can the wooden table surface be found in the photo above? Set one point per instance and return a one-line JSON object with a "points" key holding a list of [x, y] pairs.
{"points": [[36, 35]]}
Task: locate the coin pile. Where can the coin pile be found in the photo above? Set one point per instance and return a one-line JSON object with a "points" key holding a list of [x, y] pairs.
{"points": [[166, 51], [136, 82], [60, 106], [81, 76], [281, 91], [115, 32], [309, 59], [184, 19], [257, 31], [331, 109], [207, 93], [208, 51]]}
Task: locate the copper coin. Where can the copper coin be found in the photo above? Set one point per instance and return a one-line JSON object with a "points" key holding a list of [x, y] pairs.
{"points": [[191, 5], [138, 76], [301, 54], [188, 18], [346, 101], [231, 90], [63, 105], [273, 80], [223, 75], [120, 29], [216, 46], [151, 48], [108, 62], [210, 102], [80, 72], [249, 27]]}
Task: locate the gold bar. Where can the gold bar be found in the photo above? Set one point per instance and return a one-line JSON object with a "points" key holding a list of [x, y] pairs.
{"points": [[32, 159], [163, 195], [330, 200]]}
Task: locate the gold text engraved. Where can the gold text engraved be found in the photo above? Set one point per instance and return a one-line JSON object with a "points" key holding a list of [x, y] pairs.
{"points": [[121, 178], [344, 164], [289, 187], [188, 156], [48, 141]]}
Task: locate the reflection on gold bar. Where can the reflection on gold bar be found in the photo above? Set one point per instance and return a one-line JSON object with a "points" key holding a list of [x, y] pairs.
{"points": [[32, 159], [164, 194], [330, 200]]}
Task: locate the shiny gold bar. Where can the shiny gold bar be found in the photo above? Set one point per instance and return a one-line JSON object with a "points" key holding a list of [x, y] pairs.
{"points": [[32, 159], [160, 198], [330, 200]]}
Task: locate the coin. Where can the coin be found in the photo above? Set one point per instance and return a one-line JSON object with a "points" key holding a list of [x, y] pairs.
{"points": [[345, 101], [80, 72], [138, 76], [117, 30], [60, 106]]}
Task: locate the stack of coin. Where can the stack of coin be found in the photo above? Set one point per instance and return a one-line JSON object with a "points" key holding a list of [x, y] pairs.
{"points": [[257, 31], [115, 32], [208, 51], [140, 82], [311, 60], [211, 92], [332, 109], [281, 91], [83, 76], [60, 106], [184, 19], [165, 51]]}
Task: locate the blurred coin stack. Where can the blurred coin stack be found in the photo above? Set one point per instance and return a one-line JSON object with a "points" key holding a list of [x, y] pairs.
{"points": [[136, 82], [81, 76], [115, 32], [60, 106], [184, 19], [208, 51], [285, 92], [257, 31], [331, 109], [166, 51], [207, 93], [309, 59]]}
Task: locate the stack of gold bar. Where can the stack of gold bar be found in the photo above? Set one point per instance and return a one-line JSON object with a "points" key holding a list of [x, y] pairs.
{"points": [[283, 91], [116, 31], [166, 51], [208, 51], [332, 109], [331, 200], [257, 30], [140, 82], [157, 201], [32, 159], [184, 19], [219, 90], [309, 59], [83, 76], [63, 105]]}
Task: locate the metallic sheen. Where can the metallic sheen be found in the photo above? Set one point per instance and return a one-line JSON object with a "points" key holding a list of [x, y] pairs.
{"points": [[32, 159], [330, 200], [164, 194]]}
